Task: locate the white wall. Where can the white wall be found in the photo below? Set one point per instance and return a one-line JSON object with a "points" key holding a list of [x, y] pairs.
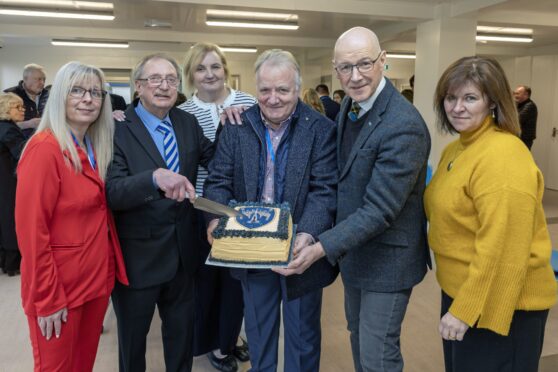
{"points": [[13, 58], [541, 74]]}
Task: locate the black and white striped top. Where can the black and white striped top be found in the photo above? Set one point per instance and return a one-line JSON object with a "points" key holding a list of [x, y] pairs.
{"points": [[208, 117]]}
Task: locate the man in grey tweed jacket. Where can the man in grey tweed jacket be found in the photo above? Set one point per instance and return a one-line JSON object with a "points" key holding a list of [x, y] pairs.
{"points": [[379, 240]]}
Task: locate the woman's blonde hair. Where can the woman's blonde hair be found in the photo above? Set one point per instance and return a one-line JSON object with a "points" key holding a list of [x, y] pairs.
{"points": [[101, 131], [489, 77], [6, 102], [193, 58], [312, 99]]}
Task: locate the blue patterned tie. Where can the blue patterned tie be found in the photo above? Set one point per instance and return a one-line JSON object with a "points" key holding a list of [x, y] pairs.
{"points": [[355, 109], [171, 149]]}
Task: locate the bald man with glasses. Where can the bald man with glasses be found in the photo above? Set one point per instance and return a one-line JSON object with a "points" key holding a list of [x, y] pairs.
{"points": [[379, 238], [157, 150]]}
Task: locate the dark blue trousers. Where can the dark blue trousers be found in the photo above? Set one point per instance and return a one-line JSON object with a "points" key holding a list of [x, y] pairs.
{"points": [[485, 351], [264, 291]]}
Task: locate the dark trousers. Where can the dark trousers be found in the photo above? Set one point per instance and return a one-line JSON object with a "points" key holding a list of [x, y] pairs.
{"points": [[264, 291], [485, 351], [528, 142], [9, 260], [219, 305], [134, 310]]}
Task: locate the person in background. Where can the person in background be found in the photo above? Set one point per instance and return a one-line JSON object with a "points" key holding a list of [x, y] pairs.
{"points": [[117, 101], [409, 92], [379, 240], [34, 95], [528, 113], [338, 95], [219, 305], [66, 233], [312, 99], [180, 99], [157, 151], [487, 227], [331, 107], [12, 140]]}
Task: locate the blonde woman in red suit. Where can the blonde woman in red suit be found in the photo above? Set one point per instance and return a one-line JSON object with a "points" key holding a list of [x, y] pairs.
{"points": [[70, 251]]}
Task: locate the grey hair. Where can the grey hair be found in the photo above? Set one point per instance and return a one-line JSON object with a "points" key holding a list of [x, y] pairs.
{"points": [[54, 119], [279, 57], [138, 70], [28, 69]]}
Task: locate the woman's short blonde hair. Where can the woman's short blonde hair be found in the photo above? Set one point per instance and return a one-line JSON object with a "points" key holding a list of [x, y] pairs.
{"points": [[101, 131], [7, 101], [489, 77], [194, 57]]}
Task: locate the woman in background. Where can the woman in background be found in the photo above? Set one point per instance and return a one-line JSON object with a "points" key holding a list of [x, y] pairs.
{"points": [[338, 95], [12, 140], [312, 99], [70, 250], [487, 227], [219, 305]]}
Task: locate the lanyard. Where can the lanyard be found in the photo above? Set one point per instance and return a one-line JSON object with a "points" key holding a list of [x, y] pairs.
{"points": [[269, 146], [90, 153]]}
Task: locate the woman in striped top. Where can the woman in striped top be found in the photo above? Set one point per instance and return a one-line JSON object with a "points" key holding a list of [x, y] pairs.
{"points": [[219, 306]]}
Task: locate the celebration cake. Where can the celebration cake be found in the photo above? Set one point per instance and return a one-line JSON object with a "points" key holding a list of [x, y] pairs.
{"points": [[261, 234]]}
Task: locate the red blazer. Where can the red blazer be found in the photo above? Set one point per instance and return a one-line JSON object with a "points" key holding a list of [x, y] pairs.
{"points": [[65, 231]]}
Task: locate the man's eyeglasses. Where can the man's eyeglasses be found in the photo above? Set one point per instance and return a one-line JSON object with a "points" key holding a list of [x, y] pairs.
{"points": [[362, 66], [155, 81], [79, 92]]}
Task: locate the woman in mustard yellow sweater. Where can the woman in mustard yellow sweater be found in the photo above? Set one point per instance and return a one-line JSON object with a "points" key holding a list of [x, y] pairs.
{"points": [[487, 227]]}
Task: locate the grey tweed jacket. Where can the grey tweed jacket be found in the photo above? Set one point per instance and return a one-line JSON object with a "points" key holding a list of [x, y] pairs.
{"points": [[379, 239]]}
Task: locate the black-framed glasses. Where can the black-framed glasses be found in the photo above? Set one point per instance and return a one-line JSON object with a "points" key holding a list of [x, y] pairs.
{"points": [[362, 66], [79, 92], [156, 81]]}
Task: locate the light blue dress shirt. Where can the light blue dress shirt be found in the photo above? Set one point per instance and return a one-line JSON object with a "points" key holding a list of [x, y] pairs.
{"points": [[151, 123]]}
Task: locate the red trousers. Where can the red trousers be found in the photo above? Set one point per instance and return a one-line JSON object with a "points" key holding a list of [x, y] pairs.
{"points": [[76, 348]]}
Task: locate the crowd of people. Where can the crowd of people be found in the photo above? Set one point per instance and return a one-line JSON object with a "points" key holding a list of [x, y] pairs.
{"points": [[95, 202]]}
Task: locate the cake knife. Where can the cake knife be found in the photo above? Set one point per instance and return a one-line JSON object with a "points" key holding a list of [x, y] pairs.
{"points": [[210, 206]]}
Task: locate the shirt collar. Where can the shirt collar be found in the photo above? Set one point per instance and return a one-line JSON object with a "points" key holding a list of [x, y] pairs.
{"points": [[283, 124], [150, 120], [367, 104]]}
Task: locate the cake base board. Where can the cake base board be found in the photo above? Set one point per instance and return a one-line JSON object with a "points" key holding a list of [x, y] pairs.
{"points": [[253, 265]]}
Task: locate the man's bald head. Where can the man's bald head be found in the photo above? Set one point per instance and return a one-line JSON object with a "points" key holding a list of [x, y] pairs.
{"points": [[357, 37], [359, 62]]}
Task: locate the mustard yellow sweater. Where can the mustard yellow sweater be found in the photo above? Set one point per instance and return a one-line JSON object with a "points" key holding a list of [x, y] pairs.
{"points": [[488, 229]]}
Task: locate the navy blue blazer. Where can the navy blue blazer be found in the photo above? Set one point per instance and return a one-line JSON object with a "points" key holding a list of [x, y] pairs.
{"points": [[379, 239], [309, 185], [331, 107]]}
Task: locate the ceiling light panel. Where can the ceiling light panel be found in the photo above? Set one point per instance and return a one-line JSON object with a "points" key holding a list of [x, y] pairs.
{"points": [[505, 30], [89, 43], [401, 55], [58, 9], [505, 38], [242, 19], [238, 49], [283, 17]]}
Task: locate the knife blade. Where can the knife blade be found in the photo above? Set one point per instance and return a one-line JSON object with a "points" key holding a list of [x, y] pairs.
{"points": [[210, 206]]}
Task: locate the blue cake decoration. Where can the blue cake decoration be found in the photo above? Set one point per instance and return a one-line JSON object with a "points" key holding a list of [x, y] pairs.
{"points": [[254, 217]]}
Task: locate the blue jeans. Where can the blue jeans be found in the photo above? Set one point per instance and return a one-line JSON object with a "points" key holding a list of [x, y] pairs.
{"points": [[263, 292], [374, 320]]}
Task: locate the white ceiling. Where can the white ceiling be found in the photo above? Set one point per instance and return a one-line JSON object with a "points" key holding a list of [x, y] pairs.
{"points": [[321, 21]]}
